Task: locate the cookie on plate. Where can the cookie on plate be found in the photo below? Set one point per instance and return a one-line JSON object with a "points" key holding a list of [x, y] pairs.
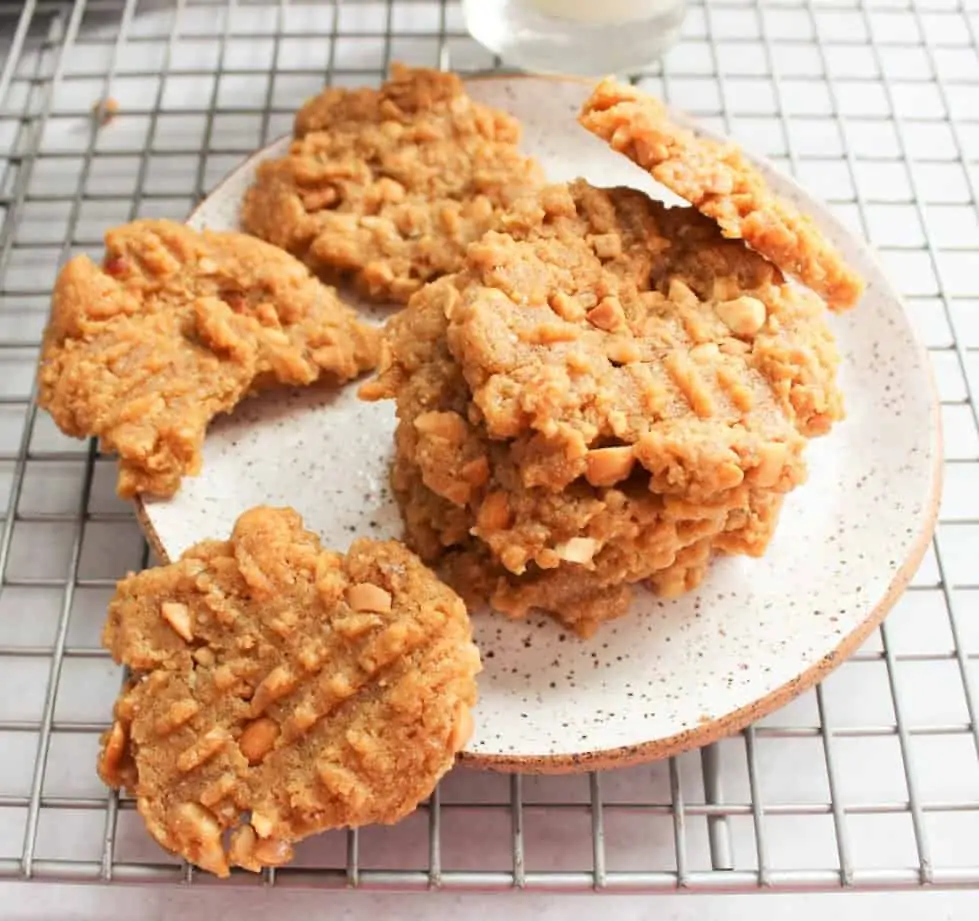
{"points": [[599, 324], [176, 327], [722, 183], [609, 392], [387, 187], [281, 689]]}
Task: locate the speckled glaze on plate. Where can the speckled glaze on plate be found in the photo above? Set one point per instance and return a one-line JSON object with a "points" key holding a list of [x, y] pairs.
{"points": [[673, 674]]}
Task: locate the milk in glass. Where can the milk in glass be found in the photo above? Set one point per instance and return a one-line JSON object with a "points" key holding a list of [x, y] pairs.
{"points": [[576, 36]]}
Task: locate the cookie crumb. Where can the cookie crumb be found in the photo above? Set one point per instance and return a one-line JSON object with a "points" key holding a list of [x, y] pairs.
{"points": [[105, 110]]}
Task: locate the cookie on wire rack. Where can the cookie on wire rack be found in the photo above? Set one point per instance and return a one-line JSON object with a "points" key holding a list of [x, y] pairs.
{"points": [[281, 689]]}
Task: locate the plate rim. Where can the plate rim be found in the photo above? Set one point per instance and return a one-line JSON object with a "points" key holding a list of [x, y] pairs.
{"points": [[734, 721]]}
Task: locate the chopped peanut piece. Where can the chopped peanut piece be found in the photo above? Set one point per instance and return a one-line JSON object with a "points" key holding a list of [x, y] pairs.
{"points": [[476, 472], [566, 306], [275, 685], [213, 793], [258, 738], [768, 471], [494, 513], [706, 351], [723, 288], [607, 245], [744, 316], [577, 550], [178, 616], [339, 686], [550, 333], [623, 352], [608, 466], [357, 624], [368, 597], [734, 347], [607, 314], [242, 848], [463, 729], [114, 753], [262, 824], [205, 748], [342, 783], [179, 712], [105, 110], [443, 425], [204, 656], [680, 293], [201, 830], [224, 677], [251, 852], [272, 853]]}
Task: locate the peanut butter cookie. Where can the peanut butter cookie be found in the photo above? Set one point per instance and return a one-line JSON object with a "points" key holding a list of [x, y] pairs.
{"points": [[720, 181], [282, 689], [387, 187], [176, 327], [599, 330]]}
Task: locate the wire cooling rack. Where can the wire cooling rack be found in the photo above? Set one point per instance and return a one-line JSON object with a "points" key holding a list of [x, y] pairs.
{"points": [[870, 780]]}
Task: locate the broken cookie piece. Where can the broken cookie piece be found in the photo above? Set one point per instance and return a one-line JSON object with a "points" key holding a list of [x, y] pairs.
{"points": [[387, 187], [177, 327], [719, 180], [282, 689]]}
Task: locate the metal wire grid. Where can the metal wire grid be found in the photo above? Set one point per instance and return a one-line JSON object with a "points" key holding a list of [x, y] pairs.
{"points": [[865, 782]]}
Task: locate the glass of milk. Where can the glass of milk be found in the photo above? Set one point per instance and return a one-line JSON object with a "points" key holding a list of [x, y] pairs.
{"points": [[576, 36]]}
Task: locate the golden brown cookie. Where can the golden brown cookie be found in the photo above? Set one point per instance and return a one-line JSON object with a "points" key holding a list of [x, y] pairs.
{"points": [[282, 689], [599, 330], [387, 187], [409, 91], [720, 181], [609, 392], [177, 327]]}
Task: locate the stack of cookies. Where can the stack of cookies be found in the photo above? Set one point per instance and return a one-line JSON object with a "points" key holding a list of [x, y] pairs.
{"points": [[611, 391], [608, 392]]}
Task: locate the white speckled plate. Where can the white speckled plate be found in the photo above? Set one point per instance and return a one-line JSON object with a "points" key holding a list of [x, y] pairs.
{"points": [[671, 675]]}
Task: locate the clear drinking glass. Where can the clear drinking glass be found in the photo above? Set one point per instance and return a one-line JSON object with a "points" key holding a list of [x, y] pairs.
{"points": [[576, 36]]}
